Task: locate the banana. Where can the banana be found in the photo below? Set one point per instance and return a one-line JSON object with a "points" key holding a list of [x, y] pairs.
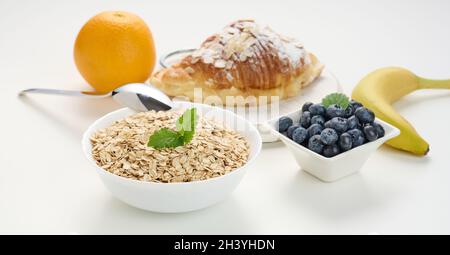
{"points": [[379, 89]]}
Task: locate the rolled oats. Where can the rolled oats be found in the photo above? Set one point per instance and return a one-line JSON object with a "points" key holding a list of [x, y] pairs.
{"points": [[122, 149]]}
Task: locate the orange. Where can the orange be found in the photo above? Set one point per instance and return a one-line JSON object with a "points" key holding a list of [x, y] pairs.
{"points": [[114, 48]]}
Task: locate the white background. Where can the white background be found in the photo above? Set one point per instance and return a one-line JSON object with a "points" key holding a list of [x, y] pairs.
{"points": [[47, 186]]}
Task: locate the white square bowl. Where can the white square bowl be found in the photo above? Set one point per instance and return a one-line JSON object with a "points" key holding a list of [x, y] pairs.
{"points": [[332, 169]]}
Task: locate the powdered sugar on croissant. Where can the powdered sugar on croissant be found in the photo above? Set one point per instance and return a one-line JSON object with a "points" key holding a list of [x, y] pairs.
{"points": [[243, 59]]}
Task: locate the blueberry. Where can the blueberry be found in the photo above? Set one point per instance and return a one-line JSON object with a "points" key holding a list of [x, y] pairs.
{"points": [[379, 128], [306, 106], [353, 122], [328, 136], [291, 129], [349, 111], [355, 104], [371, 133], [359, 141], [345, 142], [284, 133], [364, 115], [315, 144], [335, 111], [284, 123], [305, 119], [314, 129], [305, 143], [357, 137], [331, 150], [339, 124], [355, 133], [318, 119], [317, 109], [299, 135]]}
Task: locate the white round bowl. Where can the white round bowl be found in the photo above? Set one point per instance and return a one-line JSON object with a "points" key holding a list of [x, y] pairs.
{"points": [[176, 197]]}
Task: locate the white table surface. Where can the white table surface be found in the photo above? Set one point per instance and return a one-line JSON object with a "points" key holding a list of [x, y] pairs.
{"points": [[47, 186]]}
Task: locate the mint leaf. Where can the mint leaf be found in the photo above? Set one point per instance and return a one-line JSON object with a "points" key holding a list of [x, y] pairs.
{"points": [[185, 130], [336, 98], [165, 138], [179, 124], [187, 121], [186, 124]]}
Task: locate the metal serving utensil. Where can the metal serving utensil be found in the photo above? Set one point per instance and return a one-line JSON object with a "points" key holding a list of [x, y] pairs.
{"points": [[137, 96]]}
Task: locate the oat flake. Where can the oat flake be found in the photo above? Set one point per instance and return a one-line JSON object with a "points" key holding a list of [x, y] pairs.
{"points": [[122, 150]]}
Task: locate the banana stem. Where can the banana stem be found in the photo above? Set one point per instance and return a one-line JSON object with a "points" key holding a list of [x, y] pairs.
{"points": [[433, 84]]}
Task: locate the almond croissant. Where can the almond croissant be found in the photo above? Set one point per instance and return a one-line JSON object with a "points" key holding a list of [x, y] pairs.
{"points": [[244, 59]]}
